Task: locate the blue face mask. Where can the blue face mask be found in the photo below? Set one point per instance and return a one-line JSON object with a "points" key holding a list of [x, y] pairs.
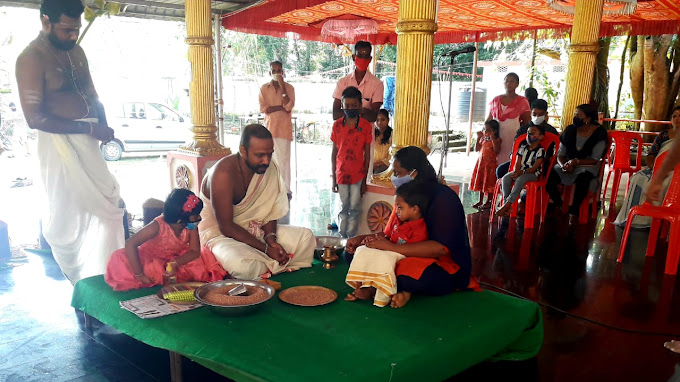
{"points": [[192, 226], [351, 113], [399, 181]]}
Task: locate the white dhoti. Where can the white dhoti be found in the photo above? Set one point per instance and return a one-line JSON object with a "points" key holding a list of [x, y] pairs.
{"points": [[85, 223], [265, 200], [282, 158], [375, 268], [245, 262]]}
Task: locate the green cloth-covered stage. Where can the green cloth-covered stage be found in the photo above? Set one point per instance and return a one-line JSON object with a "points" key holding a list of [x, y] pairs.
{"points": [[430, 339]]}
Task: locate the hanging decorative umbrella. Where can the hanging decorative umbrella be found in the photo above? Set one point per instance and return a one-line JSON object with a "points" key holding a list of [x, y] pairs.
{"points": [[347, 27], [611, 7]]}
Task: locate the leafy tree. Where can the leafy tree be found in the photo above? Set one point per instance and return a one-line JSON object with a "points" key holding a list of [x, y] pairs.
{"points": [[655, 77]]}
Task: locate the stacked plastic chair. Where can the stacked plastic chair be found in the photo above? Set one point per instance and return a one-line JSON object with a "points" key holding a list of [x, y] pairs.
{"points": [[668, 211], [623, 141], [536, 197]]}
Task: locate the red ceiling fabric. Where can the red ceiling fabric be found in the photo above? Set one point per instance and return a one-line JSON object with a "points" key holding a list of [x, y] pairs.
{"points": [[458, 20]]}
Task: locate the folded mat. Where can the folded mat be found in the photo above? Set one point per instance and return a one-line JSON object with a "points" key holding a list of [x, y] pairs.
{"points": [[430, 339]]}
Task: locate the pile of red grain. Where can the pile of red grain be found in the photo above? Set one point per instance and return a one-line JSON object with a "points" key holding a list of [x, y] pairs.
{"points": [[309, 297], [220, 296]]}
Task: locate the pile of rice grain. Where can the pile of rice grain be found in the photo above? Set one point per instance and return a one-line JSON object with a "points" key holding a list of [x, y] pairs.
{"points": [[220, 296]]}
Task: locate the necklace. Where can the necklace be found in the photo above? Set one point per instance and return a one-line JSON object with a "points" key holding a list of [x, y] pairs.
{"points": [[240, 170], [70, 76]]}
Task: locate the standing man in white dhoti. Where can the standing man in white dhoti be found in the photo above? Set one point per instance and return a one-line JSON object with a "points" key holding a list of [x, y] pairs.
{"points": [[277, 99], [244, 196], [85, 223]]}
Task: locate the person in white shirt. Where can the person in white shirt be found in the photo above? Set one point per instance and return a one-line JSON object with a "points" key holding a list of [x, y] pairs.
{"points": [[371, 88]]}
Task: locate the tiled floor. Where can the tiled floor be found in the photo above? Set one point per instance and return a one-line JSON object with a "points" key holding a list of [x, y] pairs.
{"points": [[572, 269]]}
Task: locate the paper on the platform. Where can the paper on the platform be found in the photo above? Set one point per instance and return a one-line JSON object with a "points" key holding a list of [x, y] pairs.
{"points": [[153, 306]]}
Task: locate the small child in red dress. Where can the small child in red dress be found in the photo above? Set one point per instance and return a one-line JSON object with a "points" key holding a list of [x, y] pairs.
{"points": [[170, 241], [484, 174], [406, 226]]}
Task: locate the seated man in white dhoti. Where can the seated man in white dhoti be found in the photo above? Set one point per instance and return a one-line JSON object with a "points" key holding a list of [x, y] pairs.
{"points": [[85, 222], [244, 196]]}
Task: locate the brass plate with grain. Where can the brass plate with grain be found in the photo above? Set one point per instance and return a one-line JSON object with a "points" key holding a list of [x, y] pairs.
{"points": [[308, 295]]}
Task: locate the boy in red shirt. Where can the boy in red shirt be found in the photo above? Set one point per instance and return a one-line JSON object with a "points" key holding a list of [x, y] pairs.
{"points": [[351, 137]]}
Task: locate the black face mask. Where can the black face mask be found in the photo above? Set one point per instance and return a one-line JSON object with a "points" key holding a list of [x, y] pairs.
{"points": [[61, 45], [578, 122]]}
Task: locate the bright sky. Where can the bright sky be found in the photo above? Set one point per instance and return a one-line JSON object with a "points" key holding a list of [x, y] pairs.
{"points": [[128, 57]]}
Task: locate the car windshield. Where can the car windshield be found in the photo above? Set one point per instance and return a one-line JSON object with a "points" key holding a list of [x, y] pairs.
{"points": [[162, 112]]}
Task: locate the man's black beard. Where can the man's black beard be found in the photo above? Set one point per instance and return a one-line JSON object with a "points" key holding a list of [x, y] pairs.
{"points": [[60, 44], [257, 169]]}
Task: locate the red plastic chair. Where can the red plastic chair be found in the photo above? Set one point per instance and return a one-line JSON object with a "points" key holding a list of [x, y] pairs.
{"points": [[537, 196], [623, 141], [668, 211], [499, 182], [591, 197]]}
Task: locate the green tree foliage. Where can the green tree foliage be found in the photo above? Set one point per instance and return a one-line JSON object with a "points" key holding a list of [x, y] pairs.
{"points": [[249, 55]]}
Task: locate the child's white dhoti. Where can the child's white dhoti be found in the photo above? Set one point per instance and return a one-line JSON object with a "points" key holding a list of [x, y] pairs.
{"points": [[375, 268]]}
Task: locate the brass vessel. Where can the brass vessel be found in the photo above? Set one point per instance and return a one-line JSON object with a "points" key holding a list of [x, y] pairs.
{"points": [[329, 257]]}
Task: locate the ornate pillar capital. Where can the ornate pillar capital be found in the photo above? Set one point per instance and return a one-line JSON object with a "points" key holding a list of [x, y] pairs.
{"points": [[200, 40], [593, 48], [417, 26]]}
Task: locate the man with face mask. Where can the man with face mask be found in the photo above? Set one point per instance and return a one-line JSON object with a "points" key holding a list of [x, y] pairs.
{"points": [[59, 100], [277, 99], [370, 86], [244, 197]]}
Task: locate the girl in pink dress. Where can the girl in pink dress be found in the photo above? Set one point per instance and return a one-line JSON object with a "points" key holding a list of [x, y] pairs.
{"points": [[169, 242], [484, 174]]}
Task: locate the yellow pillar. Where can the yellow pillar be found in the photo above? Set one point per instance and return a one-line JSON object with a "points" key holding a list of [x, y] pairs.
{"points": [[201, 89], [415, 48], [582, 56]]}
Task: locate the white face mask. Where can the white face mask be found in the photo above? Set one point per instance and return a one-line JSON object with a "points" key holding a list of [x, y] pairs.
{"points": [[538, 120]]}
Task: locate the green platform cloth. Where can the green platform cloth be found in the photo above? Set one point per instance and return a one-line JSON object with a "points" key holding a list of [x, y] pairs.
{"points": [[430, 339]]}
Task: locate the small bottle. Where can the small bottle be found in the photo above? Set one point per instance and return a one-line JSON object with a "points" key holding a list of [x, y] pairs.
{"points": [[170, 275]]}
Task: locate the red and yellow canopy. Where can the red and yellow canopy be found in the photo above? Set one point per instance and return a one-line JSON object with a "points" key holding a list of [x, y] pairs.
{"points": [[458, 20]]}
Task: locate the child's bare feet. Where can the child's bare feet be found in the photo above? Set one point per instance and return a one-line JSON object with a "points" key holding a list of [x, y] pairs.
{"points": [[400, 299], [673, 346], [365, 293], [350, 297]]}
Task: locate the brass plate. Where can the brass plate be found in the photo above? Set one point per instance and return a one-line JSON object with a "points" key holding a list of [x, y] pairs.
{"points": [[308, 295]]}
